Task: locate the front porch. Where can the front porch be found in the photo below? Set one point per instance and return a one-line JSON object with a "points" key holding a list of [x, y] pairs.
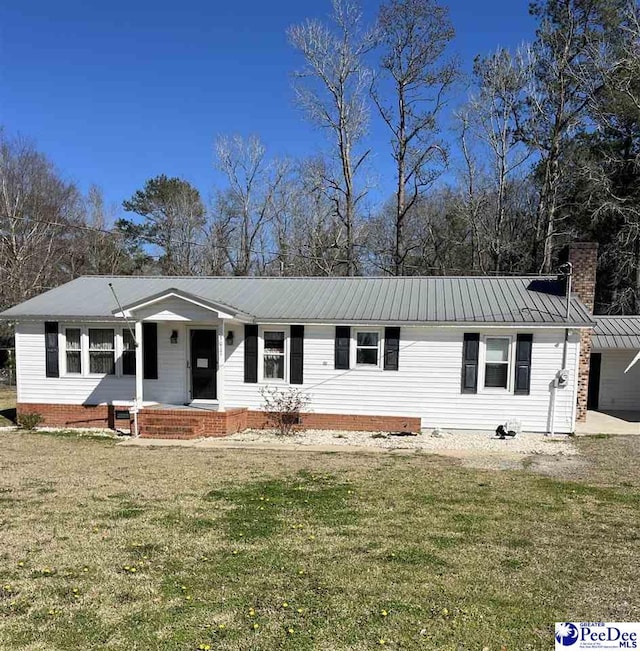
{"points": [[189, 422], [180, 353]]}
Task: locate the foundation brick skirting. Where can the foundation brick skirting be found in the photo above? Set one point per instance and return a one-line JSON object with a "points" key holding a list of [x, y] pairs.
{"points": [[70, 415], [180, 423], [190, 424], [584, 258]]}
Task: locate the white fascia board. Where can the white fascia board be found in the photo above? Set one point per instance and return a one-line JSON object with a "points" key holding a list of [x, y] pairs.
{"points": [[221, 314]]}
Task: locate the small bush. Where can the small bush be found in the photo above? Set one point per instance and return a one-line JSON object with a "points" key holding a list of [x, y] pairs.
{"points": [[29, 421], [283, 407]]}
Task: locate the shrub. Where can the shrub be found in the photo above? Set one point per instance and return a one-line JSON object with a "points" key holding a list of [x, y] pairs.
{"points": [[283, 407], [29, 421]]}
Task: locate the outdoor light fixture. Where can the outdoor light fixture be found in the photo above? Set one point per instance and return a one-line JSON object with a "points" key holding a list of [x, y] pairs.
{"points": [[174, 337], [230, 338]]}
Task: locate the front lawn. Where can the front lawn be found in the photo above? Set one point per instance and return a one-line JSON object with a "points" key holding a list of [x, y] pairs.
{"points": [[7, 405], [107, 547]]}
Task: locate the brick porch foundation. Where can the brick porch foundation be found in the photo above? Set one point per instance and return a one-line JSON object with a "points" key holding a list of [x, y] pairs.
{"points": [[192, 423]]}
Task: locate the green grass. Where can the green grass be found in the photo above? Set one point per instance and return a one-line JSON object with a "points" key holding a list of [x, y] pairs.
{"points": [[108, 547]]}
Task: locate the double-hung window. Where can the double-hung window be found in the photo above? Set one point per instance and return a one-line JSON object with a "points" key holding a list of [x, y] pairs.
{"points": [[73, 350], [497, 362], [128, 353], [102, 351], [367, 348], [274, 354]]}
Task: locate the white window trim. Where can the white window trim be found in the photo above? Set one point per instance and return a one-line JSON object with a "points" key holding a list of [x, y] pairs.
{"points": [[483, 365], [84, 350], [354, 349], [287, 334]]}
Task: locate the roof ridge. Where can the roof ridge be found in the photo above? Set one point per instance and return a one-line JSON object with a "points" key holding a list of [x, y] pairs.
{"points": [[466, 277]]}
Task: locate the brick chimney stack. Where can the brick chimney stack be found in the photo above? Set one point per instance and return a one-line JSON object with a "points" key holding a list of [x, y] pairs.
{"points": [[584, 258]]}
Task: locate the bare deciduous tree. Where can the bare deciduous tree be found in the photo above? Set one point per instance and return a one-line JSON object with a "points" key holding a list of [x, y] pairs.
{"points": [[247, 206], [559, 95], [98, 247], [37, 209], [413, 35], [494, 111], [332, 89]]}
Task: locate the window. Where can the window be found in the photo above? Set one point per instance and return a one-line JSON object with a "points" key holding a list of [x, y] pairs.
{"points": [[102, 353], [497, 358], [367, 348], [128, 353], [274, 355], [73, 350]]}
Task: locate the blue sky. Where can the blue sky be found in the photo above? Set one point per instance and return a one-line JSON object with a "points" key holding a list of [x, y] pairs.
{"points": [[117, 92]]}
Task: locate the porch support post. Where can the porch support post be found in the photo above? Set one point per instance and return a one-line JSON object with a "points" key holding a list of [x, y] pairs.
{"points": [[222, 355], [139, 365]]}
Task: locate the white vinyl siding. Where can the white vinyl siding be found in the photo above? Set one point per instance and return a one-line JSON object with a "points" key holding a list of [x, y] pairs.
{"points": [[619, 390], [69, 389], [34, 387], [427, 383]]}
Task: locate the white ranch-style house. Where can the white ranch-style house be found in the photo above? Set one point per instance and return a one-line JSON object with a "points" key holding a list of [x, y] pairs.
{"points": [[185, 357]]}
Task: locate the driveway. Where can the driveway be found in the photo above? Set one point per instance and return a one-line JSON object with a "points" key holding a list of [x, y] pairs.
{"points": [[610, 422]]}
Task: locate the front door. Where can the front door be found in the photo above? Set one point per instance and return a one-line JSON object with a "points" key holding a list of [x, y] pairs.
{"points": [[204, 364]]}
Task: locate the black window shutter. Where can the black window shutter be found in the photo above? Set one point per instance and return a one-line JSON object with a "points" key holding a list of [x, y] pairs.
{"points": [[524, 344], [250, 353], [470, 353], [297, 355], [391, 348], [343, 341], [150, 351], [52, 368]]}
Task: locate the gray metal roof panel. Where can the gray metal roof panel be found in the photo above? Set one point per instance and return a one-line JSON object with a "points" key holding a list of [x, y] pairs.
{"points": [[434, 299], [622, 332]]}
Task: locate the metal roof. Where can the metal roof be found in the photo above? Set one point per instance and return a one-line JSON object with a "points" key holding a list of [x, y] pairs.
{"points": [[434, 299], [616, 332]]}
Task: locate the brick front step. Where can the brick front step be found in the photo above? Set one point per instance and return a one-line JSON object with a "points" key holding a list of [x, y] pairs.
{"points": [[170, 434], [157, 430]]}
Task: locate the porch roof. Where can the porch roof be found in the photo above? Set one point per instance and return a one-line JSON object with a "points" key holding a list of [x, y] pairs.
{"points": [[225, 311], [439, 300]]}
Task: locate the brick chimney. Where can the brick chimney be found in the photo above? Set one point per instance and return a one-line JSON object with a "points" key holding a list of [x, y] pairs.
{"points": [[584, 258]]}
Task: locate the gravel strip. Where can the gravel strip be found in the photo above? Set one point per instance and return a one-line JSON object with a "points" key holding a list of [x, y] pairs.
{"points": [[467, 441]]}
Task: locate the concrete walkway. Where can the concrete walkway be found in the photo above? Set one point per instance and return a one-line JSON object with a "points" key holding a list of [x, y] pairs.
{"points": [[612, 422]]}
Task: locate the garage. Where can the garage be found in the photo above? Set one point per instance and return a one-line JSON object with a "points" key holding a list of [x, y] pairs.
{"points": [[614, 375]]}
